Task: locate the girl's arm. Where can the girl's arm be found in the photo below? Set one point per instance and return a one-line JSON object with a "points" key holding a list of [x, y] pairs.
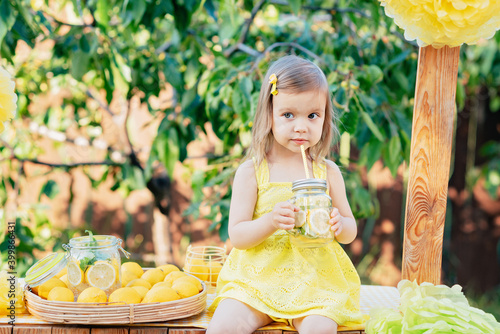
{"points": [[342, 220], [243, 231]]}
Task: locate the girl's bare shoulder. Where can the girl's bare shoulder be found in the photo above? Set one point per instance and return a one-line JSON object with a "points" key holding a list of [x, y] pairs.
{"points": [[246, 170], [332, 168]]}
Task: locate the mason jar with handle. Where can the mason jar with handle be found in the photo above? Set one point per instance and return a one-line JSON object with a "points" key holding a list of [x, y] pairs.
{"points": [[311, 222], [94, 261]]}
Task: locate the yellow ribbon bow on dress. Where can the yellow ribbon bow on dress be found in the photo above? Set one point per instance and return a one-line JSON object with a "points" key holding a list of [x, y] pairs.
{"points": [[273, 80]]}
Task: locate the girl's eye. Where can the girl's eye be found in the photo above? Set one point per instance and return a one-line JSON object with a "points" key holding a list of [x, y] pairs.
{"points": [[313, 116], [287, 115]]}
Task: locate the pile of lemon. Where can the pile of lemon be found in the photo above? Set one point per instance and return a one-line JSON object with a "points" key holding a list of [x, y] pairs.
{"points": [[161, 284], [10, 288]]}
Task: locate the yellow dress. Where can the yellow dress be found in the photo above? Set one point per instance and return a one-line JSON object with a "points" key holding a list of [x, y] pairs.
{"points": [[285, 281]]}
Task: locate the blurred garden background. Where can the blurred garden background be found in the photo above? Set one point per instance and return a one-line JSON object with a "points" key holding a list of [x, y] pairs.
{"points": [[134, 115]]}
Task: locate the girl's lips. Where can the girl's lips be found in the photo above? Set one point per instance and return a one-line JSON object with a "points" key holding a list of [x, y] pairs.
{"points": [[299, 141]]}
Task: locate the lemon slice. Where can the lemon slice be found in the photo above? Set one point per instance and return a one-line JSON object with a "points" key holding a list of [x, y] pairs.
{"points": [[300, 218], [75, 274], [318, 221], [101, 275]]}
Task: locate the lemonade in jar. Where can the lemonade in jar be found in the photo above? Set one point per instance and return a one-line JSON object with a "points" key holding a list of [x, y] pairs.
{"points": [[94, 261], [311, 222]]}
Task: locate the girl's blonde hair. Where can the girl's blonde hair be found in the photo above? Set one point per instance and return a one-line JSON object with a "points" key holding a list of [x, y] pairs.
{"points": [[295, 75]]}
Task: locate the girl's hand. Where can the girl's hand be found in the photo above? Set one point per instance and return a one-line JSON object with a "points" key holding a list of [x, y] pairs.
{"points": [[336, 221], [283, 215]]}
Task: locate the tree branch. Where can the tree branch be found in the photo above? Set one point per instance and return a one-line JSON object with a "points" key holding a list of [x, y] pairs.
{"points": [[246, 28], [73, 165], [326, 9], [50, 17], [54, 165], [101, 104], [245, 48], [287, 44]]}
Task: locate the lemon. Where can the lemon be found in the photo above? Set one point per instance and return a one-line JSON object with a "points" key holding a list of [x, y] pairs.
{"points": [[44, 288], [125, 295], [64, 278], [132, 268], [173, 276], [318, 221], [101, 275], [153, 276], [75, 274], [141, 290], [61, 294], [116, 266], [167, 284], [190, 279], [139, 282], [62, 272], [300, 218], [127, 277], [198, 268], [92, 295], [160, 295], [168, 268], [34, 289], [185, 289]]}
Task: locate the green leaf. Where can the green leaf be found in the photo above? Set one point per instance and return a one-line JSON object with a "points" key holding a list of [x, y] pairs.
{"points": [[371, 125], [370, 153], [349, 121], [49, 189], [7, 19], [246, 86], [295, 5], [402, 80], [398, 59], [168, 149], [139, 8], [210, 8], [460, 95], [182, 17], [102, 12], [391, 153], [172, 73], [79, 64], [87, 261]]}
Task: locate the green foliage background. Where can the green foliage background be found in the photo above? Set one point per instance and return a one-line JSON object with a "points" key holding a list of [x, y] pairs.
{"points": [[214, 55]]}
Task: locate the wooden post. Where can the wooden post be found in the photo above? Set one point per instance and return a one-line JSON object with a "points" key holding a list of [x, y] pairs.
{"points": [[431, 142]]}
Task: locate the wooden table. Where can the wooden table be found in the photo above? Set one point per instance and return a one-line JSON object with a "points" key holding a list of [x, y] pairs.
{"points": [[83, 329]]}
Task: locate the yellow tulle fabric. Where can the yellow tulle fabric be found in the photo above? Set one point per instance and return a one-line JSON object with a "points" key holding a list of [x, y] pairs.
{"points": [[8, 98], [285, 281], [445, 22]]}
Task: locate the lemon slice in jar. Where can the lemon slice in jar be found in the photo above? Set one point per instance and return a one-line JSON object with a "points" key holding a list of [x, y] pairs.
{"points": [[318, 221], [300, 218], [101, 275], [75, 274]]}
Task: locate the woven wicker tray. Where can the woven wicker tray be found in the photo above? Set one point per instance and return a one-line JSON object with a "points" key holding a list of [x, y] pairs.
{"points": [[112, 314]]}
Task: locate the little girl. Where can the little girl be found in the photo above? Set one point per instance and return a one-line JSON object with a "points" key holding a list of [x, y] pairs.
{"points": [[266, 278]]}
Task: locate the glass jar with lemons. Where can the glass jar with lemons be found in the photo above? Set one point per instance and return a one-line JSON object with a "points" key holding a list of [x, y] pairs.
{"points": [[94, 261], [311, 222]]}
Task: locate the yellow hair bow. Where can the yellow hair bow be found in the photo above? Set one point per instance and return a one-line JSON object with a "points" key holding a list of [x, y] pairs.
{"points": [[273, 80]]}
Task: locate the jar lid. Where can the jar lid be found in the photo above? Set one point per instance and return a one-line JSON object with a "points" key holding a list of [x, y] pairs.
{"points": [[308, 183], [46, 268], [94, 241]]}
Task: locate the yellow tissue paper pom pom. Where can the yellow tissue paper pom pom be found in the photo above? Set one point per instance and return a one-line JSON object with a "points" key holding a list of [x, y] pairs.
{"points": [[8, 98], [445, 22]]}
